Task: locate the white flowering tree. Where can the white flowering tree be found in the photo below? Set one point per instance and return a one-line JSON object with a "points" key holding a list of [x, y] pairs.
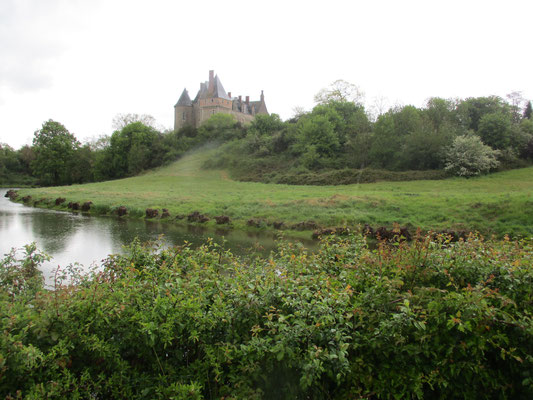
{"points": [[468, 156]]}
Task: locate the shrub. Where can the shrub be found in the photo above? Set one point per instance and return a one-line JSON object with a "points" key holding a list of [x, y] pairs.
{"points": [[468, 156], [430, 319]]}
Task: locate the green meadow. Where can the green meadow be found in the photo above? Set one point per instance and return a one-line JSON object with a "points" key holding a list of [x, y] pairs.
{"points": [[499, 204]]}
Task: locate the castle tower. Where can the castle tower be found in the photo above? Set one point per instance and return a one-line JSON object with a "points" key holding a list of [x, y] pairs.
{"points": [[183, 111], [212, 101]]}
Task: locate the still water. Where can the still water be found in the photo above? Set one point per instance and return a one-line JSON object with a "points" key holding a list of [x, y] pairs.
{"points": [[70, 237]]}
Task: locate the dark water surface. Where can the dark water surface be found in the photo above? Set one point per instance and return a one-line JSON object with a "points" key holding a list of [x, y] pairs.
{"points": [[70, 237]]}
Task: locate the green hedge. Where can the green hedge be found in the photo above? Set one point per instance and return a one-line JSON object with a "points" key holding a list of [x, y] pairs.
{"points": [[263, 171], [349, 176], [430, 319]]}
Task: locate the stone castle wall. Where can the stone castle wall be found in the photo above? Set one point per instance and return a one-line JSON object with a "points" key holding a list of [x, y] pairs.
{"points": [[183, 116], [197, 115]]}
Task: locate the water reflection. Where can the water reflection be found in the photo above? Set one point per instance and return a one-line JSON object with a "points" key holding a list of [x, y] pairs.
{"points": [[70, 237]]}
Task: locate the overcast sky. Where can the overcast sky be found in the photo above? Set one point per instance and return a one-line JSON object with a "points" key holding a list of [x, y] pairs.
{"points": [[82, 62]]}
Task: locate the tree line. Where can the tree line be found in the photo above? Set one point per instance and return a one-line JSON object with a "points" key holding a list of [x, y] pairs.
{"points": [[464, 137], [56, 156], [332, 143]]}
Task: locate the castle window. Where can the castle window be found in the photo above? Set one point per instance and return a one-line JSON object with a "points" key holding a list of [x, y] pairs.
{"points": [[184, 116]]}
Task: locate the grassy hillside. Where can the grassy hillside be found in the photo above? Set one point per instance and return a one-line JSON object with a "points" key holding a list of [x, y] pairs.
{"points": [[496, 204]]}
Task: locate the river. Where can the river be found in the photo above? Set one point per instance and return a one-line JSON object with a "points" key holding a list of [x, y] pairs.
{"points": [[70, 237]]}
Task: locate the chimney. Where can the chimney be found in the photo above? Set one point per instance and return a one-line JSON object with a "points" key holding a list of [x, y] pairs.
{"points": [[211, 81], [262, 97], [247, 99], [240, 99], [229, 95]]}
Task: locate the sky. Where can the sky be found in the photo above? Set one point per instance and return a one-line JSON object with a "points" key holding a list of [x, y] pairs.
{"points": [[82, 62]]}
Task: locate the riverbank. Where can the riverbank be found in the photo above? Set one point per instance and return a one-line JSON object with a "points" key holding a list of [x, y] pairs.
{"points": [[496, 204]]}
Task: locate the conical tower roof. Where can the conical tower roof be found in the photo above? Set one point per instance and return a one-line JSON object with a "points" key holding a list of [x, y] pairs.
{"points": [[184, 100]]}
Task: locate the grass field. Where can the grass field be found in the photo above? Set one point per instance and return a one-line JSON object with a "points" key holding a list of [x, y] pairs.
{"points": [[500, 203]]}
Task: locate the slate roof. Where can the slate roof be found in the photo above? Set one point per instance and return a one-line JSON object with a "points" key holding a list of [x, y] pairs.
{"points": [[184, 100], [219, 90], [260, 107]]}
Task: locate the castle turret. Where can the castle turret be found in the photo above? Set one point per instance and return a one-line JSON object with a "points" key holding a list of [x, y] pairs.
{"points": [[183, 111]]}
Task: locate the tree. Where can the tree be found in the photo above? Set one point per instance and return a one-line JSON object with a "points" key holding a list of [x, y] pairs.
{"points": [[220, 127], [297, 113], [527, 152], [468, 156], [317, 141], [340, 90], [528, 110], [378, 107], [385, 143], [349, 119], [523, 139], [358, 150], [132, 150], [391, 132], [54, 147], [26, 157], [495, 130], [441, 112], [423, 149], [516, 101], [9, 163], [471, 110], [82, 164], [8, 158], [407, 120], [120, 121], [265, 124]]}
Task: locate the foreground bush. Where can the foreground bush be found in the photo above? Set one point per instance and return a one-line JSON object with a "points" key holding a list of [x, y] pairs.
{"points": [[426, 320]]}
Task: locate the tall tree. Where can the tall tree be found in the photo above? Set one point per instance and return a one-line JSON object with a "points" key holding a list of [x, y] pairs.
{"points": [[122, 120], [441, 112], [132, 150], [471, 110], [317, 142], [26, 157], [495, 130], [54, 147], [265, 124], [516, 102], [340, 90], [528, 111]]}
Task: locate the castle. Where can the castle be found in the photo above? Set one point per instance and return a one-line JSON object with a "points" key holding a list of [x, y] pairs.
{"points": [[212, 99]]}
